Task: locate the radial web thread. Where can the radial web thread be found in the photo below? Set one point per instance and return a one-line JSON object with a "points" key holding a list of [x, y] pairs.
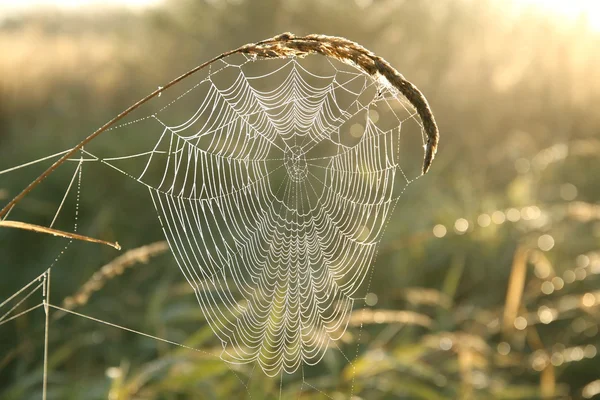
{"points": [[273, 194]]}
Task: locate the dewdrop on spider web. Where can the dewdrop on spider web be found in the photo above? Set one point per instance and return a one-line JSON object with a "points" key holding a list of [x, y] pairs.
{"points": [[274, 187]]}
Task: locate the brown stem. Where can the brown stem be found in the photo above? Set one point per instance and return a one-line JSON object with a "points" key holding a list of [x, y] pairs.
{"points": [[55, 232], [103, 128]]}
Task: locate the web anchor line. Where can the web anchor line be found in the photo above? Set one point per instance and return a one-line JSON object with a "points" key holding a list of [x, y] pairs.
{"points": [[42, 284], [46, 303]]}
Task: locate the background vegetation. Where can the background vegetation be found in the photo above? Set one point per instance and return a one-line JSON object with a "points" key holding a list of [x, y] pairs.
{"points": [[512, 197]]}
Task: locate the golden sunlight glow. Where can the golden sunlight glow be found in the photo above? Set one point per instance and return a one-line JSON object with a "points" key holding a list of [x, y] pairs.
{"points": [[587, 11], [27, 5]]}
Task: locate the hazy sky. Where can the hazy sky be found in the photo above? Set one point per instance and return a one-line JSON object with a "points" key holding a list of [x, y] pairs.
{"points": [[571, 10], [11, 6]]}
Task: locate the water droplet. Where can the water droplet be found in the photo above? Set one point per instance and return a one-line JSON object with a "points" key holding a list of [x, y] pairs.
{"points": [[530, 213], [582, 261], [569, 276], [479, 380], [113, 372], [439, 231], [498, 217], [373, 116], [580, 274], [513, 215], [520, 323], [590, 351], [371, 299], [542, 269], [591, 389], [557, 359], [588, 300], [503, 348], [545, 242], [461, 225], [484, 220], [568, 191], [445, 343], [575, 354], [357, 130], [595, 267], [363, 234], [547, 287], [558, 283], [539, 360], [545, 315]]}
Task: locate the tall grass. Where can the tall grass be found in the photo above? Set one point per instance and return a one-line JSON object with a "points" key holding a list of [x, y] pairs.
{"points": [[487, 281]]}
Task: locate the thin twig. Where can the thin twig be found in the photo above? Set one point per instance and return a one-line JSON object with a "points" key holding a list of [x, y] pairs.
{"points": [[55, 232], [46, 333], [382, 316], [114, 268]]}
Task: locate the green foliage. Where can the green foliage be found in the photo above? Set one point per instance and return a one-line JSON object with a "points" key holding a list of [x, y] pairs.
{"points": [[515, 97]]}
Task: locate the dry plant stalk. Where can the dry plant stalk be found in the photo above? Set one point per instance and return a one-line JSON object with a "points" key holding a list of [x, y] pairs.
{"points": [[55, 232], [114, 268], [583, 212], [368, 316], [282, 46], [427, 296], [514, 306], [514, 293], [548, 375]]}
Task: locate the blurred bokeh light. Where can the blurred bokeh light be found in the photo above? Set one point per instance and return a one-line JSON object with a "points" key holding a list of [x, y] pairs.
{"points": [[486, 283]]}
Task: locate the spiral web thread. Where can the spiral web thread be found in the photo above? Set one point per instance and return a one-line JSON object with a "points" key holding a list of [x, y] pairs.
{"points": [[273, 194], [273, 202]]}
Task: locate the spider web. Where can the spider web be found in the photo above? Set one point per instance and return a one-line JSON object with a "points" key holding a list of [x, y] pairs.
{"points": [[273, 181]]}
